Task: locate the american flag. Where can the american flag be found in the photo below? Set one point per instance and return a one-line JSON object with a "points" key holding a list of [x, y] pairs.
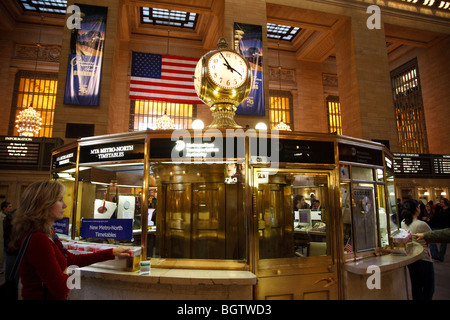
{"points": [[163, 78], [348, 246]]}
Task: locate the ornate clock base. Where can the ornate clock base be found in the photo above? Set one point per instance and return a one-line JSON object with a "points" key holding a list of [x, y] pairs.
{"points": [[223, 116]]}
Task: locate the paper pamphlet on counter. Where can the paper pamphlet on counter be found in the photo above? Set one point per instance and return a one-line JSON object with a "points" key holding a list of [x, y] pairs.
{"points": [[104, 209], [79, 247], [126, 207], [316, 215], [150, 216]]}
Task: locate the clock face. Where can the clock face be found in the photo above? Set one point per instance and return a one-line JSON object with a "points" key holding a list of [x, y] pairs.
{"points": [[227, 69], [197, 77]]}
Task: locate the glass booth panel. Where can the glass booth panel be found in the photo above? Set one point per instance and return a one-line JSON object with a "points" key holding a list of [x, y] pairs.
{"points": [[347, 217], [109, 203], [200, 211], [360, 173], [383, 216], [364, 217], [293, 212], [390, 185]]}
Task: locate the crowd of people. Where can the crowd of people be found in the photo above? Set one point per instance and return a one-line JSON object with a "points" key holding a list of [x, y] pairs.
{"points": [[437, 217], [42, 270], [430, 225]]}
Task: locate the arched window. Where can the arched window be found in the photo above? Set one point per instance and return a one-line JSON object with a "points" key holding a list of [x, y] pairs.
{"points": [[407, 95], [334, 115], [145, 113], [280, 108], [38, 90]]}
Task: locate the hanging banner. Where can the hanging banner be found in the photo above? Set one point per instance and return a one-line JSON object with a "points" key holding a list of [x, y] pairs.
{"points": [[86, 57], [248, 38]]}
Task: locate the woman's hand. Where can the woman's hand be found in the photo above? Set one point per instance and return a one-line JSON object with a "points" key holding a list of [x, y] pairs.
{"points": [[418, 236], [121, 251]]}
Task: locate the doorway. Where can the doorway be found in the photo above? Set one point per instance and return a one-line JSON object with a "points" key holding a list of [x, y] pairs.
{"points": [[295, 227]]}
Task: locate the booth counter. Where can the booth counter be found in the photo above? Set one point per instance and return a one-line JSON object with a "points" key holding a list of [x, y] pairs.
{"points": [[227, 213], [165, 284]]}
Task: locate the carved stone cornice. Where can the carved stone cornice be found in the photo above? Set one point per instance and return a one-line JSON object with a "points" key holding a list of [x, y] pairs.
{"points": [[330, 80], [46, 53], [287, 75]]}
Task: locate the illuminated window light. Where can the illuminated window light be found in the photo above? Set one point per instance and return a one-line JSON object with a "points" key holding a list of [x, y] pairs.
{"points": [[282, 32], [48, 6], [165, 17], [444, 5]]}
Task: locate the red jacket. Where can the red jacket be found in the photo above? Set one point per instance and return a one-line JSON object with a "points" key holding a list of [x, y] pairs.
{"points": [[44, 263]]}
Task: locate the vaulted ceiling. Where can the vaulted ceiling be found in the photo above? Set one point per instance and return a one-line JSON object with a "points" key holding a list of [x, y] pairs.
{"points": [[314, 42]]}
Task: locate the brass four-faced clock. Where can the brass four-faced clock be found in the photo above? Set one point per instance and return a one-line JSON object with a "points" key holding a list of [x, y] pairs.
{"points": [[222, 81]]}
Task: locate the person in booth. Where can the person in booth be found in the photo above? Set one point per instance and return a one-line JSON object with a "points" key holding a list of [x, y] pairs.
{"points": [[300, 203], [45, 259], [316, 205]]}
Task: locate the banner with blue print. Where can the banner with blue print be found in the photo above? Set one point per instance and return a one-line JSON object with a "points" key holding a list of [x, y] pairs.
{"points": [[85, 60], [119, 229], [248, 38], [62, 226], [83, 80]]}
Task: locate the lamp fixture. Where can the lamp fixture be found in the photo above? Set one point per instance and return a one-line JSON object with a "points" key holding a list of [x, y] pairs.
{"points": [[29, 121], [261, 126], [282, 127], [198, 124], [435, 4], [165, 123]]}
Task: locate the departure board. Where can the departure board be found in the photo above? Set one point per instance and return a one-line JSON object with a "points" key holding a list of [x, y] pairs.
{"points": [[19, 150], [421, 165], [27, 153], [442, 164]]}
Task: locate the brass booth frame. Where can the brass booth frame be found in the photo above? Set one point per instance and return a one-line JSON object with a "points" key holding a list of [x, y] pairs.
{"points": [[249, 258]]}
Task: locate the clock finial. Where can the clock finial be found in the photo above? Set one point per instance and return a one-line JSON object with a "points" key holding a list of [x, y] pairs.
{"points": [[222, 44], [223, 80]]}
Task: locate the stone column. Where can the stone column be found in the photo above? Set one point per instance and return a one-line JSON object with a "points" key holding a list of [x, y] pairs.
{"points": [[364, 81], [434, 71]]}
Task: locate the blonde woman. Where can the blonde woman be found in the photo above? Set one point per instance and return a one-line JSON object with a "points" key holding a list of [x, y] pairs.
{"points": [[45, 260]]}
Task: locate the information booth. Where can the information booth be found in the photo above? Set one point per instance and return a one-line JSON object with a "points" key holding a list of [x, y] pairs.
{"points": [[232, 214]]}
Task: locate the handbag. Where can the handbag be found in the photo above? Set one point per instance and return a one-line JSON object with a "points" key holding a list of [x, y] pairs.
{"points": [[8, 290]]}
